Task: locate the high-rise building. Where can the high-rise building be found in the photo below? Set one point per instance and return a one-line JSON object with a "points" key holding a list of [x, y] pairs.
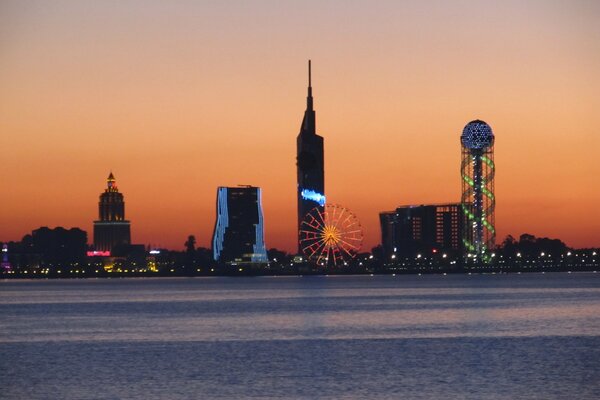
{"points": [[239, 233], [111, 229], [478, 198], [309, 162], [423, 229]]}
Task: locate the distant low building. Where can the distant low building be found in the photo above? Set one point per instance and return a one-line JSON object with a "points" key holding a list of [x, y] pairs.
{"points": [[58, 246], [239, 233], [422, 229]]}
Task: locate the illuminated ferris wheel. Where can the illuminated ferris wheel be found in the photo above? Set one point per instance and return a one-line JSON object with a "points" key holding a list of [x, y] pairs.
{"points": [[330, 235]]}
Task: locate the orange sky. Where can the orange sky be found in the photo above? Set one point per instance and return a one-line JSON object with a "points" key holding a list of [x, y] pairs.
{"points": [[180, 97]]}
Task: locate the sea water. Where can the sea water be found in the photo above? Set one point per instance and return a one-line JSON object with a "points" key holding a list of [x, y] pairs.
{"points": [[515, 336]]}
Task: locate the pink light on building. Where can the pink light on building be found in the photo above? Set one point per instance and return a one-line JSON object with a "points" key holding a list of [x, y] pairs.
{"points": [[98, 253]]}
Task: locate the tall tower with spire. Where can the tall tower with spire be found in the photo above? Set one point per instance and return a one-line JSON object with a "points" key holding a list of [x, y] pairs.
{"points": [[111, 229], [309, 162]]}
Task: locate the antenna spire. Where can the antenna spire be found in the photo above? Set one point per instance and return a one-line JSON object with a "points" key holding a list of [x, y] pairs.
{"points": [[308, 123], [309, 99]]}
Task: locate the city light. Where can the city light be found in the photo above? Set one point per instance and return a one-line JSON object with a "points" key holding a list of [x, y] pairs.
{"points": [[96, 253]]}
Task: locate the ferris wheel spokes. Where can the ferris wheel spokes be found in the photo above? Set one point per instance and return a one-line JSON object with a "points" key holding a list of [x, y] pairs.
{"points": [[331, 235]]}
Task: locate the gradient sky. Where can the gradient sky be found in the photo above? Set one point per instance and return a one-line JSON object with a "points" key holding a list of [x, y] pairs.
{"points": [[179, 97]]}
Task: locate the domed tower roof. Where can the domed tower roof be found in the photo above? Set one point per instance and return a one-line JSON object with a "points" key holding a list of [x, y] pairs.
{"points": [[477, 135]]}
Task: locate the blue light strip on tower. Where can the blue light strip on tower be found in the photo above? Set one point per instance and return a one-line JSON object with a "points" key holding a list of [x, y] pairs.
{"points": [[260, 252], [308, 194], [222, 222]]}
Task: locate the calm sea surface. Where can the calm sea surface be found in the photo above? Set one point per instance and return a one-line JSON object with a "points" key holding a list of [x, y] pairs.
{"points": [[528, 336]]}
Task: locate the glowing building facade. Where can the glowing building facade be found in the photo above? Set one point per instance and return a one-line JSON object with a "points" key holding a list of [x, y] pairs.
{"points": [[478, 198], [111, 229], [239, 232], [5, 263], [309, 162]]}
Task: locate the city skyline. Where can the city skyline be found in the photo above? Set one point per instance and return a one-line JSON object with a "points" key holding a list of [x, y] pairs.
{"points": [[78, 104]]}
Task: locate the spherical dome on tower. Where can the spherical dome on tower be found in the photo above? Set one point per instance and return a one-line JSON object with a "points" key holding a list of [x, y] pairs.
{"points": [[477, 135]]}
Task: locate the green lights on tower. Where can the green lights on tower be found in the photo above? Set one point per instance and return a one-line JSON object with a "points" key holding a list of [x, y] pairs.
{"points": [[478, 199]]}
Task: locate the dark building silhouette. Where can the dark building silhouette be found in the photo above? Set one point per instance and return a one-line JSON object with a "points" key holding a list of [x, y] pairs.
{"points": [[58, 246], [238, 235], [309, 162], [423, 229], [112, 229]]}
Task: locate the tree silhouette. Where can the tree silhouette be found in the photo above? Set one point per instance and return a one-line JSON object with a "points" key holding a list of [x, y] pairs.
{"points": [[190, 244]]}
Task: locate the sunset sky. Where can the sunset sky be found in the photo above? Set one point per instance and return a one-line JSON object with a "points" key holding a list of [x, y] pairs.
{"points": [[180, 97]]}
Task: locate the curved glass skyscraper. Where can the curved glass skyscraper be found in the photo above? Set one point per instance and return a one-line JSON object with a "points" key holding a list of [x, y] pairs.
{"points": [[239, 233]]}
